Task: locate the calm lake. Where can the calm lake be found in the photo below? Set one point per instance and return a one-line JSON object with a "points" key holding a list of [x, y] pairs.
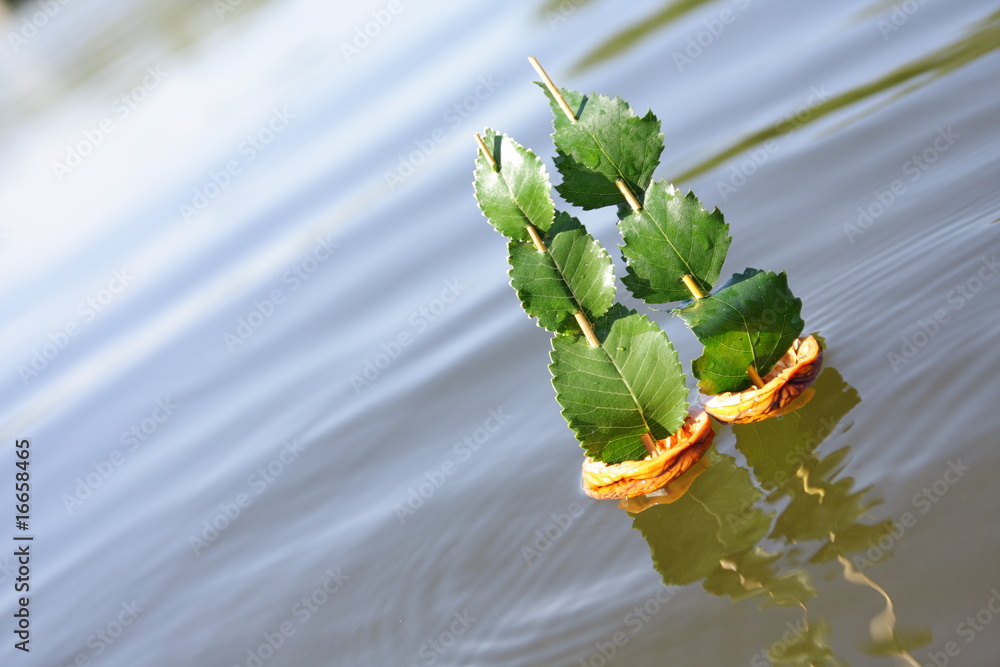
{"points": [[280, 406]]}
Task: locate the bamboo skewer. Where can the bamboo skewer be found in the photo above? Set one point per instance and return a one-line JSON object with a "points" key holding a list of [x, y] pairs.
{"points": [[485, 151], [536, 239], [627, 193], [588, 331], [650, 442], [692, 286], [552, 89]]}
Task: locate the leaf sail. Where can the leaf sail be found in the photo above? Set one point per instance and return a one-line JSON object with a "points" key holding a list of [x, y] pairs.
{"points": [[607, 142], [672, 235], [515, 194], [611, 395], [752, 320], [575, 274]]}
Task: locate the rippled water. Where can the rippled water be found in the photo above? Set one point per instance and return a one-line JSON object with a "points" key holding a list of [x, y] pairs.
{"points": [[284, 409]]}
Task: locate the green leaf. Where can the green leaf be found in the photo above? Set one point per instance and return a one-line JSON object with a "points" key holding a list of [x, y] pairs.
{"points": [[607, 142], [517, 192], [611, 395], [752, 320], [575, 274], [671, 236]]}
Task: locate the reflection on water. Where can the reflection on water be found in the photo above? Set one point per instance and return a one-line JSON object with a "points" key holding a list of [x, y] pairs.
{"points": [[174, 28], [747, 531], [632, 35], [981, 38]]}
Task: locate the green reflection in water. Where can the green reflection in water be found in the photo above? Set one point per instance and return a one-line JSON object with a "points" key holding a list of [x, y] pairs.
{"points": [[632, 35], [981, 38], [119, 43], [727, 532]]}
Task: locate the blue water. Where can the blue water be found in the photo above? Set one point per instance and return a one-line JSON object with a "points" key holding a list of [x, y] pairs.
{"points": [[284, 409]]}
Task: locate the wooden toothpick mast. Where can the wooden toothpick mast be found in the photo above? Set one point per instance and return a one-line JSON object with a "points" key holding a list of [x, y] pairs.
{"points": [[627, 193], [647, 439], [581, 319], [560, 100]]}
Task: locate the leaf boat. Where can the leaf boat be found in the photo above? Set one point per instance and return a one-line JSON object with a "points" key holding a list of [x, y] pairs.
{"points": [[671, 458], [615, 372], [793, 373]]}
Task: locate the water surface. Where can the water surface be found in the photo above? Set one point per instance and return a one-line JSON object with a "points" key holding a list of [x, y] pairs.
{"points": [[302, 419]]}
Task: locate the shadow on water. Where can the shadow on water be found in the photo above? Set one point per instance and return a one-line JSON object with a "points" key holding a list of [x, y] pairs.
{"points": [[980, 39], [747, 532]]}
